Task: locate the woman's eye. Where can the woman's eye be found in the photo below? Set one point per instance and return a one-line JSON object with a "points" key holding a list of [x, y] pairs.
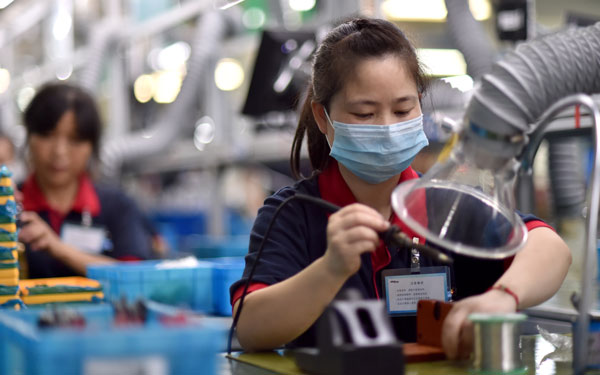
{"points": [[363, 115], [72, 139], [402, 113], [45, 135]]}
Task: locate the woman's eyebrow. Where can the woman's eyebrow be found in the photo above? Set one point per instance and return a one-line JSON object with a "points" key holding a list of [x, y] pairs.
{"points": [[363, 102], [402, 99], [408, 98]]}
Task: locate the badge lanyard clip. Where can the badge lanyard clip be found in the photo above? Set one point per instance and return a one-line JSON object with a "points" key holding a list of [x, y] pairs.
{"points": [[415, 258], [86, 218]]}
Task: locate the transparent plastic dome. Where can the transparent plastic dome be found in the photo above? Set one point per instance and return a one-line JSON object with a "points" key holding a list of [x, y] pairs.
{"points": [[463, 209]]}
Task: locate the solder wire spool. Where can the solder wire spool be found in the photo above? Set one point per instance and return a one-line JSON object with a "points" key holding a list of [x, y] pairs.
{"points": [[496, 344]]}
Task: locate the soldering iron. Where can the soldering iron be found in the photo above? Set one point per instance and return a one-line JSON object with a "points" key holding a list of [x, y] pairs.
{"points": [[393, 236]]}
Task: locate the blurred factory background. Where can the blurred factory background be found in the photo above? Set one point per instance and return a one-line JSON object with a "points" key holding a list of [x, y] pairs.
{"points": [[198, 97]]}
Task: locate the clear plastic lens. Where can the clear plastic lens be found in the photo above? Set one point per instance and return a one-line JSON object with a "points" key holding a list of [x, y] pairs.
{"points": [[463, 210]]}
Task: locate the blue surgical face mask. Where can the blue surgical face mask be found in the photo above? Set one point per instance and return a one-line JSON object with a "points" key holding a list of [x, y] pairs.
{"points": [[376, 153]]}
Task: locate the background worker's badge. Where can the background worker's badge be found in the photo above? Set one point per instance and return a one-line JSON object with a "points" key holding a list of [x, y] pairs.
{"points": [[404, 288], [89, 239]]}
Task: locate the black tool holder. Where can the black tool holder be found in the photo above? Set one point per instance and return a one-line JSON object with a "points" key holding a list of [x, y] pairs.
{"points": [[355, 336]]}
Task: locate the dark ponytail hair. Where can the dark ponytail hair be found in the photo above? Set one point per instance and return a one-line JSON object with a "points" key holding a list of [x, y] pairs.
{"points": [[340, 51]]}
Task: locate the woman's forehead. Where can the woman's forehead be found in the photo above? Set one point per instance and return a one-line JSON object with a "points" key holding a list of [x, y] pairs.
{"points": [[380, 79], [67, 122]]}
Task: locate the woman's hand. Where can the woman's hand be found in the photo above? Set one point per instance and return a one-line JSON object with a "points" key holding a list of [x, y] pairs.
{"points": [[457, 332], [37, 233], [350, 232]]}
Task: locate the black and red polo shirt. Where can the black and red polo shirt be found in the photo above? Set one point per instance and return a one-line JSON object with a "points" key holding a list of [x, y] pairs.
{"points": [[127, 235], [298, 238]]}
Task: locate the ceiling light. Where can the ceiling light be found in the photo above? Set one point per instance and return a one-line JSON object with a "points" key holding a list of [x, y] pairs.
{"points": [[168, 84], [481, 9], [4, 80], [144, 88], [430, 10], [302, 5], [173, 56], [229, 74], [408, 10], [442, 62]]}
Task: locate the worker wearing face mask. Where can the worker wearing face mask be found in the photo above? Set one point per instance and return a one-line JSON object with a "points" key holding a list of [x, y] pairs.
{"points": [[364, 126]]}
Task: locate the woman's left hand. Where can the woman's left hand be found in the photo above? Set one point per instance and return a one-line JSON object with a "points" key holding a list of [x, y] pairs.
{"points": [[457, 332], [37, 233]]}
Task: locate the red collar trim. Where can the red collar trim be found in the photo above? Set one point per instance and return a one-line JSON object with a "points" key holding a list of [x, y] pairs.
{"points": [[333, 188], [85, 200]]}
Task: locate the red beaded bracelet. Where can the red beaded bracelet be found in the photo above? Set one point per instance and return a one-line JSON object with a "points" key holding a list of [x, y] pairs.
{"points": [[506, 289]]}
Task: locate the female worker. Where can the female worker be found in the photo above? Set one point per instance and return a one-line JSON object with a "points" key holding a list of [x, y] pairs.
{"points": [[69, 222], [363, 122]]}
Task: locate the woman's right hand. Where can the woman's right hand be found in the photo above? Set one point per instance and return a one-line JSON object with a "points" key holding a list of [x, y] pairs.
{"points": [[352, 231], [37, 233]]}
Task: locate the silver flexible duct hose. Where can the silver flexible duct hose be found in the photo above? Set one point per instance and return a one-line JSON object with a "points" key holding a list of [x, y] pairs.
{"points": [[521, 86], [566, 174], [210, 31], [104, 36], [469, 37]]}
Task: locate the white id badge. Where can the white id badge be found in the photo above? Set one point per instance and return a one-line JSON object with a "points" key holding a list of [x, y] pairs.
{"points": [[404, 289], [87, 239]]}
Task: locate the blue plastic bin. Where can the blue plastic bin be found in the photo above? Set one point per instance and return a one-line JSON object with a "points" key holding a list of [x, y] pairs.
{"points": [[189, 287], [237, 223], [206, 246], [102, 348], [226, 271], [175, 225]]}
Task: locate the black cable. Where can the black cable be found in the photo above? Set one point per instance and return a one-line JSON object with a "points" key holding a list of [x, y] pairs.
{"points": [[319, 202], [392, 236]]}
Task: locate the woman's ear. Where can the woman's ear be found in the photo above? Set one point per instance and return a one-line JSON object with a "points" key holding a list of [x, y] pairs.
{"points": [[318, 111]]}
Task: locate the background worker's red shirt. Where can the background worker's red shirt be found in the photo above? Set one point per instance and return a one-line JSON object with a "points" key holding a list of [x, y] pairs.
{"points": [[128, 236]]}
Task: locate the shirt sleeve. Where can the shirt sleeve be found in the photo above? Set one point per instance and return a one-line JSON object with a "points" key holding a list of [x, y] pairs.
{"points": [[285, 252], [237, 294], [532, 222]]}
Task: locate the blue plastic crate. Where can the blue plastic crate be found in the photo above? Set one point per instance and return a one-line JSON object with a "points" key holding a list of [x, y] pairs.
{"points": [[226, 271], [175, 225], [189, 287], [206, 247], [182, 222], [103, 348], [237, 223]]}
